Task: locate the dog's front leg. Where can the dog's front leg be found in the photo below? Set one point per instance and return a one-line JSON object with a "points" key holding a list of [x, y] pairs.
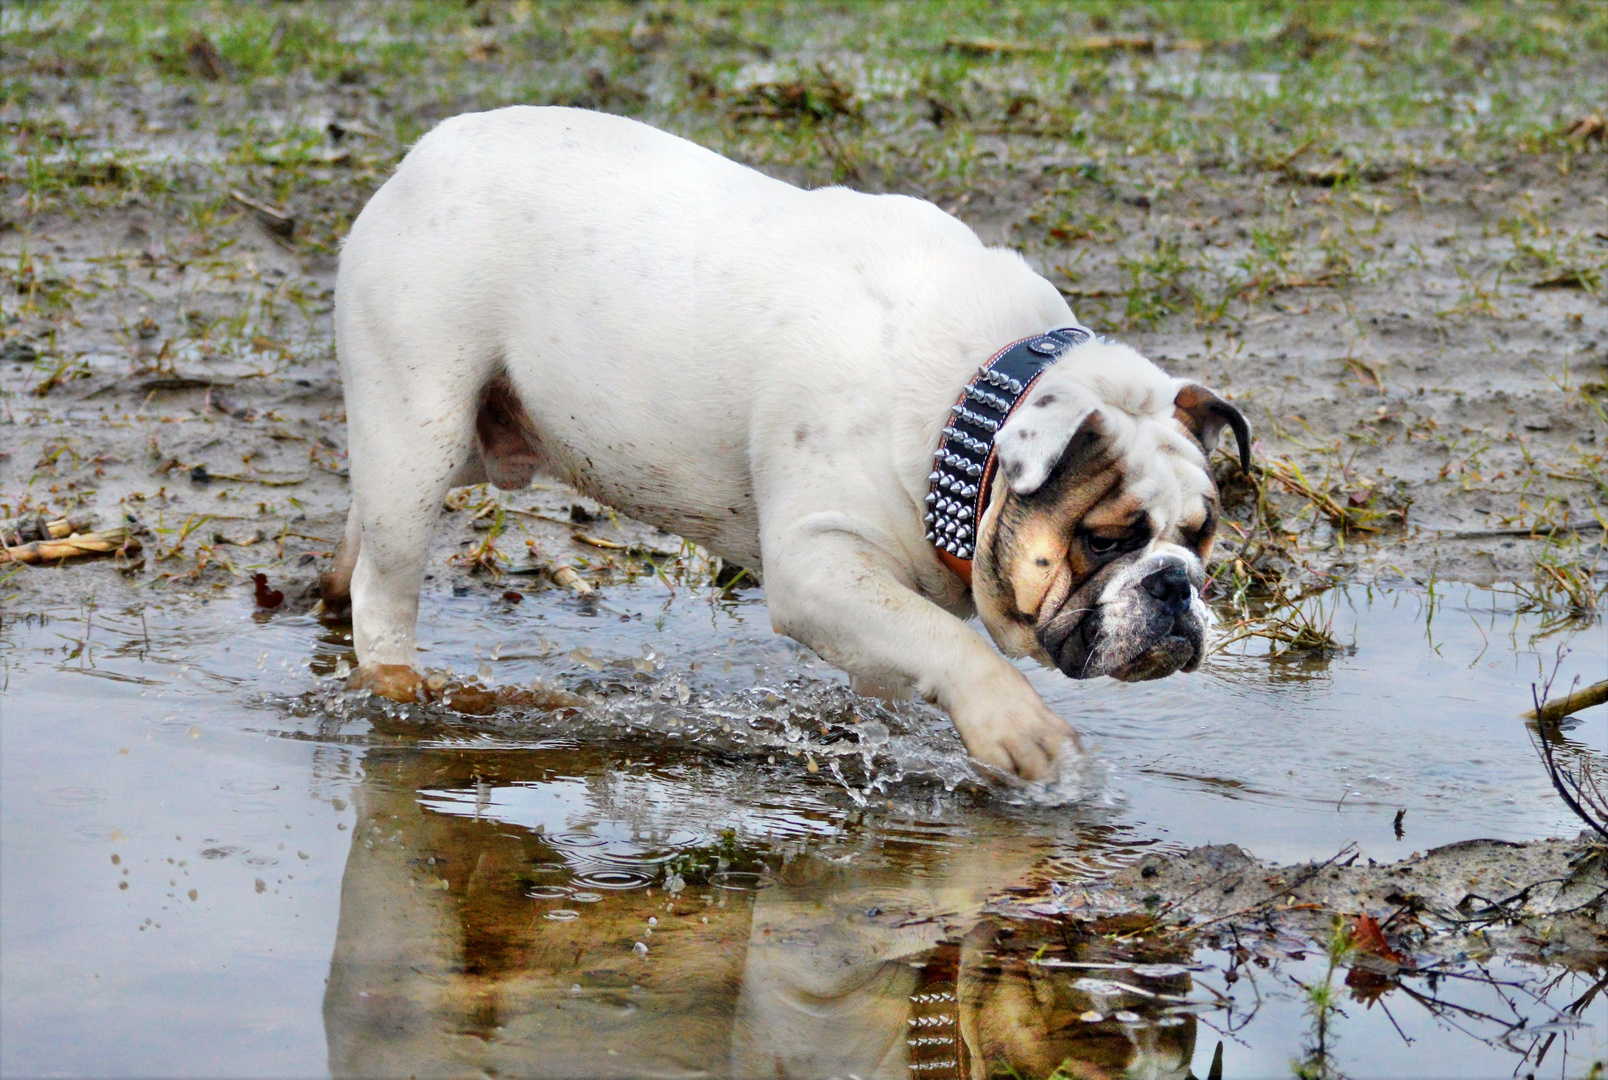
{"points": [[833, 589]]}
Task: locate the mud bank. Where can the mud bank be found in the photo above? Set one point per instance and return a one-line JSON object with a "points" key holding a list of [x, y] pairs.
{"points": [[1545, 901]]}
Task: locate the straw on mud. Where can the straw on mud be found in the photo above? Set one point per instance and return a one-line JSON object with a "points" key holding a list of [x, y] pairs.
{"points": [[22, 530], [280, 223], [96, 543], [569, 579]]}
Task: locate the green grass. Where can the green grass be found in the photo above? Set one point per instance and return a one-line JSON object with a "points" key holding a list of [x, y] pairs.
{"points": [[1462, 77]]}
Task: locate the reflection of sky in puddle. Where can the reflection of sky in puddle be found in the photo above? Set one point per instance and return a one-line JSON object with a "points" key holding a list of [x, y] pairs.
{"points": [[167, 757]]}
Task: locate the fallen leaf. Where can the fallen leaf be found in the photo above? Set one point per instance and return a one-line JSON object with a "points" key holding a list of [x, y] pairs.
{"points": [[202, 59], [1369, 938], [266, 597]]}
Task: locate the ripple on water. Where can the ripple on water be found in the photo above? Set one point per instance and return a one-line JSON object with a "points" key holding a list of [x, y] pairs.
{"points": [[575, 840], [562, 915], [614, 877], [73, 796], [548, 892], [249, 786], [737, 880], [617, 851]]}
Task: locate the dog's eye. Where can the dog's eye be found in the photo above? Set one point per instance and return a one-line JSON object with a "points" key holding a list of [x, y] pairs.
{"points": [[1208, 527], [1132, 538]]}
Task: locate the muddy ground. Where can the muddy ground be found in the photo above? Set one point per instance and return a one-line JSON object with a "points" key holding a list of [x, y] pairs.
{"points": [[1382, 234], [1545, 901]]}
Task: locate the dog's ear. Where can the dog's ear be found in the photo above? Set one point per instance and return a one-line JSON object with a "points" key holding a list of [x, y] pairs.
{"points": [[1204, 415], [1050, 427]]}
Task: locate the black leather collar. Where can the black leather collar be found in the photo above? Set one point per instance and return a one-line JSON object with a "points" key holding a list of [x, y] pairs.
{"points": [[963, 467]]}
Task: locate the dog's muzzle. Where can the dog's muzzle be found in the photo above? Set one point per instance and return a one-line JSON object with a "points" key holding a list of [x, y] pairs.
{"points": [[1150, 626]]}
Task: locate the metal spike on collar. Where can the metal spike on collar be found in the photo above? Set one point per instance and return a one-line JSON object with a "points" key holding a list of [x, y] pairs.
{"points": [[964, 453]]}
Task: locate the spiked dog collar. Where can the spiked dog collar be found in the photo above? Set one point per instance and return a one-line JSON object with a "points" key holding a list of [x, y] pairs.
{"points": [[963, 467]]}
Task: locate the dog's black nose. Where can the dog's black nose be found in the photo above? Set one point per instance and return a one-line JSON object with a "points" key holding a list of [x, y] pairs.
{"points": [[1170, 586]]}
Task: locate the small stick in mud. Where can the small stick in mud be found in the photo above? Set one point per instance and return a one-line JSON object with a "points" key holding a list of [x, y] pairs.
{"points": [[569, 579], [27, 530], [1573, 702], [95, 543], [280, 223]]}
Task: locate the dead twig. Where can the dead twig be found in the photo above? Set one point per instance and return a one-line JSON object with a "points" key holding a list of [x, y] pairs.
{"points": [[1572, 702], [107, 542], [1538, 532], [1578, 786], [990, 47], [281, 223], [25, 531], [569, 579]]}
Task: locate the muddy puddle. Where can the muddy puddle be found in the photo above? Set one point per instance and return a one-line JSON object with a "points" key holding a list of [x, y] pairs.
{"points": [[721, 862]]}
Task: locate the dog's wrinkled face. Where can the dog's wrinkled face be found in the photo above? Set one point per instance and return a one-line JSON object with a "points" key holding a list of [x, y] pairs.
{"points": [[1091, 554]]}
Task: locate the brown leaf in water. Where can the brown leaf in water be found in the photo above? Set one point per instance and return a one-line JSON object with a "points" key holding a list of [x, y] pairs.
{"points": [[1367, 984], [1369, 938], [266, 597]]}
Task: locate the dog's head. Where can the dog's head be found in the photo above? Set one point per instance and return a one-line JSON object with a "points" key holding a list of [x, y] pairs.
{"points": [[1091, 553]]}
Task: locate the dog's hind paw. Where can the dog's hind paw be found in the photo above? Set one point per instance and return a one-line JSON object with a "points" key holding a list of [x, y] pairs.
{"points": [[398, 682]]}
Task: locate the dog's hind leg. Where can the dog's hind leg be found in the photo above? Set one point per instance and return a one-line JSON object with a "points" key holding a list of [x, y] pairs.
{"points": [[335, 584], [411, 420]]}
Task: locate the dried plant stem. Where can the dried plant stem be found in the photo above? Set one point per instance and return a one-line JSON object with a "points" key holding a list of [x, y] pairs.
{"points": [[95, 543], [1573, 702]]}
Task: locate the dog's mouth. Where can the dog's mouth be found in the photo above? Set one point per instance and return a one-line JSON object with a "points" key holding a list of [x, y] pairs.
{"points": [[1135, 643], [1172, 653]]}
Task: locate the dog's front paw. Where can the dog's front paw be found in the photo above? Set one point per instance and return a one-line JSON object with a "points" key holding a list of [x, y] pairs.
{"points": [[399, 682], [1015, 733]]}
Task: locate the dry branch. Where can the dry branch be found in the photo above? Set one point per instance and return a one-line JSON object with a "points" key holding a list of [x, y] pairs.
{"points": [[281, 223], [26, 530], [1584, 698], [106, 542], [569, 579]]}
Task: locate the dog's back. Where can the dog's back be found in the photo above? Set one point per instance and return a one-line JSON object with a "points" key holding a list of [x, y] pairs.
{"points": [[625, 283]]}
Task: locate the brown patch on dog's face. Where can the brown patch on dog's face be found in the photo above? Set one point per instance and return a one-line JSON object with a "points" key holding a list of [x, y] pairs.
{"points": [[1026, 556], [1091, 552], [1077, 575]]}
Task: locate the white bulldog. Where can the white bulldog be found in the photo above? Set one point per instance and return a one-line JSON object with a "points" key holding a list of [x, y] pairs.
{"points": [[766, 371]]}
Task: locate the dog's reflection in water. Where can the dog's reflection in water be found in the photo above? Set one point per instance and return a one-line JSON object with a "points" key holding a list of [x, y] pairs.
{"points": [[457, 953]]}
